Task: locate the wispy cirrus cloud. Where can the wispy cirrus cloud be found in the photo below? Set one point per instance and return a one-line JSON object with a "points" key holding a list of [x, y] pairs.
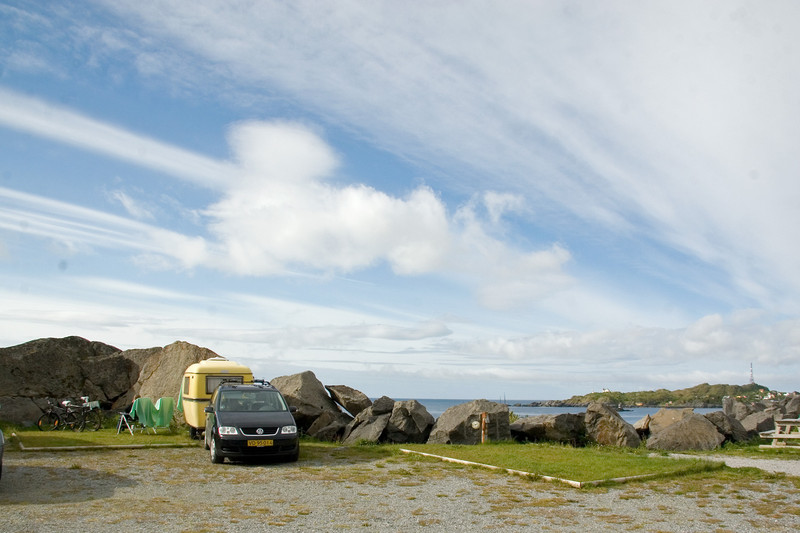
{"points": [[277, 212], [42, 119], [632, 120]]}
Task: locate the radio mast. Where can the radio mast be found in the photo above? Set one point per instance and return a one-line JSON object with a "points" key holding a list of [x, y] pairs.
{"points": [[751, 374]]}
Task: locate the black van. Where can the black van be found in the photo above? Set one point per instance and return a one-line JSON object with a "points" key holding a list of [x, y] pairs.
{"points": [[250, 421]]}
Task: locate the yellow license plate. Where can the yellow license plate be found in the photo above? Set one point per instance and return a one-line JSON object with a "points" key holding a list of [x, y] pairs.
{"points": [[259, 442]]}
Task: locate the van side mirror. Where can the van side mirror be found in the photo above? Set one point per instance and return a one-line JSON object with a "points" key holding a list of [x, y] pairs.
{"points": [[208, 409], [292, 409]]}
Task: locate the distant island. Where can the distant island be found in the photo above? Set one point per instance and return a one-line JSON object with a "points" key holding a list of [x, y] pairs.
{"points": [[703, 395]]}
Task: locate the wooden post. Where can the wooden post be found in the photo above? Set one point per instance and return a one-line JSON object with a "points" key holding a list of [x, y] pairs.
{"points": [[484, 422]]}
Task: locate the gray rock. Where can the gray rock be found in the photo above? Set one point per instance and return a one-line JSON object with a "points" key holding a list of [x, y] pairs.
{"points": [[329, 426], [410, 421], [369, 424], [382, 405], [757, 422], [694, 432], [367, 428], [305, 392], [606, 427], [68, 367], [565, 427], [352, 400], [460, 424], [728, 426], [791, 406], [666, 417], [736, 409]]}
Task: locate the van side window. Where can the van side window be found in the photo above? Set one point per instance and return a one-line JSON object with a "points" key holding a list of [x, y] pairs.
{"points": [[186, 381]]}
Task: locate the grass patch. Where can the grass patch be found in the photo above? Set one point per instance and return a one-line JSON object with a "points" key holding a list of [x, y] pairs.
{"points": [[33, 438], [578, 464]]}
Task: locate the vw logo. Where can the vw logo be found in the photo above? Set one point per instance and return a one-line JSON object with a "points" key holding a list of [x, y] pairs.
{"points": [[260, 431]]}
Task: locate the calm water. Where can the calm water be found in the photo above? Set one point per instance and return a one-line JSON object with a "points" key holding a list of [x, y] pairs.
{"points": [[436, 407]]}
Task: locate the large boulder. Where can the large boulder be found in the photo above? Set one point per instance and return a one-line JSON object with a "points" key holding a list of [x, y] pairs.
{"points": [[642, 426], [410, 421], [666, 417], [757, 422], [60, 368], [606, 427], [305, 392], [162, 371], [329, 426], [565, 427], [461, 424], [730, 428], [352, 400], [735, 408], [693, 432], [370, 423], [791, 406]]}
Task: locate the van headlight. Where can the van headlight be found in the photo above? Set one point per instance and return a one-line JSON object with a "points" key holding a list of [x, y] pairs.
{"points": [[227, 430], [288, 430]]}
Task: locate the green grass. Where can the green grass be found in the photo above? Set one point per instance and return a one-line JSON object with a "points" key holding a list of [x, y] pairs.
{"points": [[33, 438], [577, 464]]}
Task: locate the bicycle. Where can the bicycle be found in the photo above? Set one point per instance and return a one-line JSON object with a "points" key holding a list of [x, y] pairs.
{"points": [[89, 415], [52, 418], [71, 415]]}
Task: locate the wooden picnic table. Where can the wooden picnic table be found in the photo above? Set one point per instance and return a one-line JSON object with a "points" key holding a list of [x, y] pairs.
{"points": [[785, 434]]}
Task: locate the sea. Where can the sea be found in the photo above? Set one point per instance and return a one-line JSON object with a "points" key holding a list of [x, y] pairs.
{"points": [[521, 408]]}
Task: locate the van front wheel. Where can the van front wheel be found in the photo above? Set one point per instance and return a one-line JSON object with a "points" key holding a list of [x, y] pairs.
{"points": [[216, 458]]}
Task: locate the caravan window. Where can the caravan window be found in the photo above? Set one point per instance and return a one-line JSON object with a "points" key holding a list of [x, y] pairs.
{"points": [[212, 382]]}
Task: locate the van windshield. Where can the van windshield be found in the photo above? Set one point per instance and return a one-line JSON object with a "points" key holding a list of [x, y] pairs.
{"points": [[251, 401]]}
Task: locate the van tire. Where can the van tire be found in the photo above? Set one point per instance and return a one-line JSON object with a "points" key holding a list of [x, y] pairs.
{"points": [[216, 458]]}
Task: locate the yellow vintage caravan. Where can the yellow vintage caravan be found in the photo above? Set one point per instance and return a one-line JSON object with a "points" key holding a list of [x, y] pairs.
{"points": [[199, 382]]}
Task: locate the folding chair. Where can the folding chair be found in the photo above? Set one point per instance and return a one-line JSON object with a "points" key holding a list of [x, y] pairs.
{"points": [[127, 418], [141, 410]]}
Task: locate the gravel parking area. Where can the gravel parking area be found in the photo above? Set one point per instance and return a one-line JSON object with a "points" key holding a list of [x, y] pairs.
{"points": [[179, 490]]}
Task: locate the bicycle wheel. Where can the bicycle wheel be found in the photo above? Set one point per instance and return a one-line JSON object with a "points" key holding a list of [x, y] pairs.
{"points": [[48, 421], [72, 421], [93, 420]]}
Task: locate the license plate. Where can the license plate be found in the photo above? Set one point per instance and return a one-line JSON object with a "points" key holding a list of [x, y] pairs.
{"points": [[265, 442]]}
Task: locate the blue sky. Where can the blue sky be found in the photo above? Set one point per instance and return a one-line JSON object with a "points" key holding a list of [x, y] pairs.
{"points": [[526, 200]]}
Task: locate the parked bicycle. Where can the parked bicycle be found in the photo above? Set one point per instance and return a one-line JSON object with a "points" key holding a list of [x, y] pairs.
{"points": [[89, 415], [69, 414], [53, 417]]}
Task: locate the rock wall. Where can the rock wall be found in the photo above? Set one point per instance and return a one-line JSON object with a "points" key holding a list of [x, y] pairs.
{"points": [[71, 367]]}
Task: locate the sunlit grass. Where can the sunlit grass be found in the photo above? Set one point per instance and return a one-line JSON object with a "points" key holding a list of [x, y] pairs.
{"points": [[565, 462], [33, 438]]}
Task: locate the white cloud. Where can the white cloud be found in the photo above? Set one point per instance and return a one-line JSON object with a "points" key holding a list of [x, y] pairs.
{"points": [[74, 227], [133, 208], [638, 119], [40, 118]]}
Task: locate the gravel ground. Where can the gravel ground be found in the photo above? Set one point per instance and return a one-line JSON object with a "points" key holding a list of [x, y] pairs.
{"points": [[179, 490]]}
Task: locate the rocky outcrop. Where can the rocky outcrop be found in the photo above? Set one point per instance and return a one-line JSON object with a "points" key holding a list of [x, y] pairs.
{"points": [[410, 421], [757, 422], [642, 426], [163, 368], [61, 368], [370, 423], [305, 392], [666, 417], [606, 427], [353, 401], [567, 428], [461, 424], [692, 432], [730, 428], [329, 426]]}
